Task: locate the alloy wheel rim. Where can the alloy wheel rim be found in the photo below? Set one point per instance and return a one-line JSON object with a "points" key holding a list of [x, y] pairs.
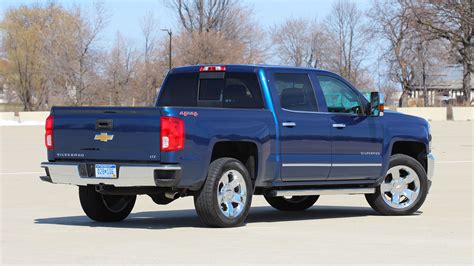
{"points": [[231, 194], [401, 187]]}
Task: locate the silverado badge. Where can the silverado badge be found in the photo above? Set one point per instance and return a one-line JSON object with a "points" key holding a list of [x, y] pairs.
{"points": [[104, 137]]}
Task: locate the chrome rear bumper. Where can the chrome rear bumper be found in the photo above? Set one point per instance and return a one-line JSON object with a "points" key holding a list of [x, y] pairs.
{"points": [[166, 175]]}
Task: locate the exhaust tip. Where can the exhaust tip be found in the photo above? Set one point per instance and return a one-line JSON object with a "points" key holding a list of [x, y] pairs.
{"points": [[172, 195]]}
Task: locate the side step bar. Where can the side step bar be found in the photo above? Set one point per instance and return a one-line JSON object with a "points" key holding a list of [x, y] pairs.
{"points": [[320, 191]]}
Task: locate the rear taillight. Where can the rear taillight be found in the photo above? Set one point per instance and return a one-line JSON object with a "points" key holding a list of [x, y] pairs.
{"points": [[48, 136], [211, 68], [172, 134]]}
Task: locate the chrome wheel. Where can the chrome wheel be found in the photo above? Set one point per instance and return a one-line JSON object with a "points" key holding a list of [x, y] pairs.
{"points": [[401, 187], [232, 193]]}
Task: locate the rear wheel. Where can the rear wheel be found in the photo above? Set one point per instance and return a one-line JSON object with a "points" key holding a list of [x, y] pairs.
{"points": [[296, 203], [404, 188], [105, 208], [226, 196]]}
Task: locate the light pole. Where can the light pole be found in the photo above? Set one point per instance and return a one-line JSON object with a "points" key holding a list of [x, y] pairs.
{"points": [[170, 33]]}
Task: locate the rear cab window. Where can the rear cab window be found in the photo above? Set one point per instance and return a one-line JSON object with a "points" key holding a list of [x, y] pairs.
{"points": [[212, 89]]}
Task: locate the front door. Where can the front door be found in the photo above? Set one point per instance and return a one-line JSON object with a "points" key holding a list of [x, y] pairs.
{"points": [[305, 145], [356, 138]]}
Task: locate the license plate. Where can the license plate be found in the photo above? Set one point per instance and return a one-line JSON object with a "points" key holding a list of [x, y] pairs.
{"points": [[106, 170]]}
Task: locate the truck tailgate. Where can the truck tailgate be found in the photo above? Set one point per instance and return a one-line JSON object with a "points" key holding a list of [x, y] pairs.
{"points": [[106, 133]]}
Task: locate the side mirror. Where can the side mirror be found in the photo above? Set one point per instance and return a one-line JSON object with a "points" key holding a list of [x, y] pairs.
{"points": [[376, 104]]}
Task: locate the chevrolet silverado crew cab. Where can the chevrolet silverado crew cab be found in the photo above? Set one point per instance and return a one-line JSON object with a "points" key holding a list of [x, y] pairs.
{"points": [[225, 133]]}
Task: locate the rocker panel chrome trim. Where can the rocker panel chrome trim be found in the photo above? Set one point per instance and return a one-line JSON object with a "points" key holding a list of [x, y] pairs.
{"points": [[310, 192]]}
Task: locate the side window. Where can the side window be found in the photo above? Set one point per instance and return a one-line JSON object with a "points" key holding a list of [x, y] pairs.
{"points": [[295, 92], [242, 90], [339, 97]]}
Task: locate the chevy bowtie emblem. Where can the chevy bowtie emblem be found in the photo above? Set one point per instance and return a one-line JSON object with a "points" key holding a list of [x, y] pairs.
{"points": [[104, 137]]}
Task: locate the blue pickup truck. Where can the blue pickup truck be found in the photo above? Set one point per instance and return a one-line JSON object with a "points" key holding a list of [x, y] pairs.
{"points": [[225, 133]]}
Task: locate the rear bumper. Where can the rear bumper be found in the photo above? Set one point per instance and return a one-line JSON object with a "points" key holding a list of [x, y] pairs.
{"points": [[129, 175]]}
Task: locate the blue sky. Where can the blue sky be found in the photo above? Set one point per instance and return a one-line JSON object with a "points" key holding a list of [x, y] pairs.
{"points": [[125, 15]]}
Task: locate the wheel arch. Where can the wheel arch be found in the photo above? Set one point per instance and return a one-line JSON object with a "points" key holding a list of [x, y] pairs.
{"points": [[413, 148], [245, 151]]}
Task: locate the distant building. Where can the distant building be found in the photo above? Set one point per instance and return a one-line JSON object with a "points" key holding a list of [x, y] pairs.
{"points": [[443, 87]]}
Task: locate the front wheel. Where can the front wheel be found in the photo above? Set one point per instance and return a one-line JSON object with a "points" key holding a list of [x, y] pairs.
{"points": [[404, 188], [296, 203], [105, 208], [226, 196]]}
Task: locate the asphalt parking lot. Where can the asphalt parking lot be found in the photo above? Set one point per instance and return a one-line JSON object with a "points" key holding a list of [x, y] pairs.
{"points": [[44, 223]]}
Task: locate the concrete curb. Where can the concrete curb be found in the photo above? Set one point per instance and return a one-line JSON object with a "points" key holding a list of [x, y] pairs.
{"points": [[9, 116], [33, 116], [428, 113], [463, 113]]}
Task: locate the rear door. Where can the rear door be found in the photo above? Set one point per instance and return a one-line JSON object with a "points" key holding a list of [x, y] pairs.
{"points": [[356, 138], [304, 133]]}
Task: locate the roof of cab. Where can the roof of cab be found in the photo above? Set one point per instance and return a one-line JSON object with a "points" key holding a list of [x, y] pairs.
{"points": [[241, 67]]}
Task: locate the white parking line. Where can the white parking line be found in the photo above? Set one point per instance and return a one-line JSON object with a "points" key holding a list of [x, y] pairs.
{"points": [[21, 173], [453, 162]]}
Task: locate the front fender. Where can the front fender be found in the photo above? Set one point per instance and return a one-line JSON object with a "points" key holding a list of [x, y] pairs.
{"points": [[408, 132]]}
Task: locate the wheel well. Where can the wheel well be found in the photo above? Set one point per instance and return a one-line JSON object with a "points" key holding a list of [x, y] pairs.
{"points": [[416, 150], [244, 151]]}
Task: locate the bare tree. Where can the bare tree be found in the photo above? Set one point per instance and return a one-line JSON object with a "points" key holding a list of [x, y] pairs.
{"points": [[391, 22], [321, 47], [453, 21], [80, 60], [291, 41], [389, 93], [346, 24], [119, 71], [22, 43], [205, 15], [149, 27], [207, 48], [228, 22], [301, 42]]}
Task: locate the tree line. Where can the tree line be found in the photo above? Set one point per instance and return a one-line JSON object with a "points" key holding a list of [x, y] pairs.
{"points": [[53, 56]]}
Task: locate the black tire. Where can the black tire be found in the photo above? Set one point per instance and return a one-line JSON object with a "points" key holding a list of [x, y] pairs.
{"points": [[376, 200], [206, 202], [105, 208], [297, 203]]}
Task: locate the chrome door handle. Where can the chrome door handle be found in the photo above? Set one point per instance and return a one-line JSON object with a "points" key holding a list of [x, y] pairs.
{"points": [[288, 124], [339, 125]]}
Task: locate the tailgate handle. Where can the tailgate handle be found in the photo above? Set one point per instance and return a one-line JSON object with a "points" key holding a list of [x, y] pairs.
{"points": [[104, 124]]}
